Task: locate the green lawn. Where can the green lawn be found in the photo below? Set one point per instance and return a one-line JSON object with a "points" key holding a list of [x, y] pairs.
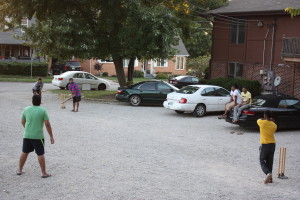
{"points": [[18, 78], [92, 94]]}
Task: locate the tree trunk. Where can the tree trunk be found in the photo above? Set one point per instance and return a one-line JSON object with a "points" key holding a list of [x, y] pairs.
{"points": [[130, 71], [118, 61]]}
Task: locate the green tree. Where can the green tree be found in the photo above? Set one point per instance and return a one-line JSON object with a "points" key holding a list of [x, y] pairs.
{"points": [[197, 66], [96, 29], [293, 11]]}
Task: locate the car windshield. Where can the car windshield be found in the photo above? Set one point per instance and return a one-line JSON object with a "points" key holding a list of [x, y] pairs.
{"points": [[77, 64], [188, 90]]}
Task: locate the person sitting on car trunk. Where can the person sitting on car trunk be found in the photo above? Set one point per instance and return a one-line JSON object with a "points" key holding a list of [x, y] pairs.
{"points": [[237, 111], [75, 91], [234, 100]]}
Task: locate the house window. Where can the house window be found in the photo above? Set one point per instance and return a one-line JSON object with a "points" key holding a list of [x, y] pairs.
{"points": [[235, 70], [126, 62], [24, 23], [237, 32], [161, 63], [180, 63]]}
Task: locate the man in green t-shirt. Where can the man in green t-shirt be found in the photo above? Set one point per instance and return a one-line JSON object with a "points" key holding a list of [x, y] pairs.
{"points": [[33, 120]]}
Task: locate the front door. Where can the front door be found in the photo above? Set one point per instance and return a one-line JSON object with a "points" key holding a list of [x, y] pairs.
{"points": [[163, 91]]}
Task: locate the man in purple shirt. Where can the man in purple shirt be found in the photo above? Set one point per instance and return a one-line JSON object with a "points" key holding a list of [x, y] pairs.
{"points": [[75, 91]]}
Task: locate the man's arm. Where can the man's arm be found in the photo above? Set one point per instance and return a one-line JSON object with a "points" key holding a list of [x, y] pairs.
{"points": [[49, 129], [23, 122]]}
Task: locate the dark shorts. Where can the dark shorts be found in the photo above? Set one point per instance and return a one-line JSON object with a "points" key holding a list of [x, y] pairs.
{"points": [[33, 144], [76, 99]]}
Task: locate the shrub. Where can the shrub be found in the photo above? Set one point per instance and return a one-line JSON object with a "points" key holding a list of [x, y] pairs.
{"points": [[105, 74], [138, 74], [19, 68], [252, 86], [161, 76]]}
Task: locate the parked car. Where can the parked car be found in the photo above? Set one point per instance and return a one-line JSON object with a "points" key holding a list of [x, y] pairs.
{"points": [[198, 99], [285, 111], [145, 92], [80, 77], [181, 81], [58, 68]]}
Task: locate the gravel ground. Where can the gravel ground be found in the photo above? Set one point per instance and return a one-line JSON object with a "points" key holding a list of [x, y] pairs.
{"points": [[115, 151]]}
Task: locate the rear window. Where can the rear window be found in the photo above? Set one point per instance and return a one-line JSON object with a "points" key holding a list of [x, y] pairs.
{"points": [[73, 63], [259, 102], [188, 90]]}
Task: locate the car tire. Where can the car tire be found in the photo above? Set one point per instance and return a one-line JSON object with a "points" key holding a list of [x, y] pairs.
{"points": [[200, 110], [102, 86], [62, 88], [179, 112], [135, 100]]}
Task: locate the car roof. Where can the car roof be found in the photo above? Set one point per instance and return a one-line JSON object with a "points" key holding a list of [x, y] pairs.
{"points": [[204, 86], [273, 100]]}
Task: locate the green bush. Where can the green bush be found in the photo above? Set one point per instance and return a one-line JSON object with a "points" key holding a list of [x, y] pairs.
{"points": [[19, 68], [162, 76], [138, 74], [105, 74], [252, 86]]}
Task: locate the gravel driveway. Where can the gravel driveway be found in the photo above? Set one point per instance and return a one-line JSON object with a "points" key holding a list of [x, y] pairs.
{"points": [[109, 151]]}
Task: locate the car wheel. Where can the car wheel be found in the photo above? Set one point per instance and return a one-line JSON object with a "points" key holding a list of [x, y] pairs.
{"points": [[135, 100], [200, 110], [102, 86], [179, 112], [62, 88]]}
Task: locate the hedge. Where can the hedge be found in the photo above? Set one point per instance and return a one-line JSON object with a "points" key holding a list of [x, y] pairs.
{"points": [[138, 74], [253, 87], [161, 76], [19, 68]]}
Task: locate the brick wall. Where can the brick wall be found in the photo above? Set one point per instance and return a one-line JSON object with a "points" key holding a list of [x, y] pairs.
{"points": [[251, 72]]}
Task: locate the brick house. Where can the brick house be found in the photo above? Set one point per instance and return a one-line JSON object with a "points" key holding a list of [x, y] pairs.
{"points": [[12, 49], [175, 65], [257, 40]]}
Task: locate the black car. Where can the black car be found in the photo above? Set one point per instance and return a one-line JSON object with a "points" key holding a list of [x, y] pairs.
{"points": [[285, 112], [145, 92], [181, 81], [58, 68]]}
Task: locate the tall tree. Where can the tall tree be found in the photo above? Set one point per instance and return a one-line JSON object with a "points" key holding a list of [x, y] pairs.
{"points": [[96, 28]]}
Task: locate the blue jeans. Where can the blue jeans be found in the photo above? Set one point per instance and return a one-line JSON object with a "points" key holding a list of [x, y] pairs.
{"points": [[237, 111]]}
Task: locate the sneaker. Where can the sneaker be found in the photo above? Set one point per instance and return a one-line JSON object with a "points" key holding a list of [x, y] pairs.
{"points": [[268, 178]]}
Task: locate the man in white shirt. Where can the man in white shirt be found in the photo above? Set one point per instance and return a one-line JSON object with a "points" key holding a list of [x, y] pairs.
{"points": [[234, 100]]}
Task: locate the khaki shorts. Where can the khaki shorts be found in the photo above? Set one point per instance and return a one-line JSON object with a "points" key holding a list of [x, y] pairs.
{"points": [[229, 106]]}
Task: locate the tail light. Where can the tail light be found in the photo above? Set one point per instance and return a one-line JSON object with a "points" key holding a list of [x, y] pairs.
{"points": [[119, 92], [60, 79], [248, 112], [183, 100], [65, 67]]}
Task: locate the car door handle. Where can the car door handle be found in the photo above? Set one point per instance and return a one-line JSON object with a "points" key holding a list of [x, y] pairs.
{"points": [[204, 99]]}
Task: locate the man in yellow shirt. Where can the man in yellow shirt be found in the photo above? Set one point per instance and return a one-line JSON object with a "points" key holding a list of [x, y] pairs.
{"points": [[267, 130], [247, 98]]}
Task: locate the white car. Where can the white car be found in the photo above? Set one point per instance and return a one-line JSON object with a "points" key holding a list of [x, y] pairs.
{"points": [[80, 77], [198, 99]]}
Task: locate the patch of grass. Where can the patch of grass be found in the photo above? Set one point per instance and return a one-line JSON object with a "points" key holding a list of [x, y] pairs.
{"points": [[91, 94], [18, 78]]}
